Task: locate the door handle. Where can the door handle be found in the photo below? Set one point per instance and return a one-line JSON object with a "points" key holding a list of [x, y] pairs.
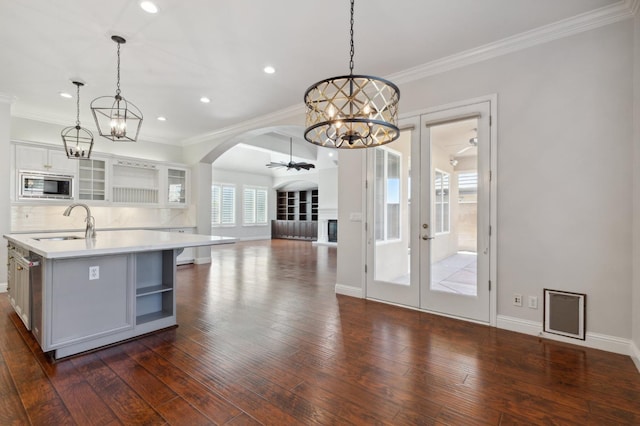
{"points": [[426, 237]]}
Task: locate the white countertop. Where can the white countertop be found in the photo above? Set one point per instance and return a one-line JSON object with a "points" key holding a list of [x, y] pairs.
{"points": [[111, 242]]}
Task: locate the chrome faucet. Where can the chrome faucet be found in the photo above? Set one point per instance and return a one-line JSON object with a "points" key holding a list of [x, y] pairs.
{"points": [[90, 231]]}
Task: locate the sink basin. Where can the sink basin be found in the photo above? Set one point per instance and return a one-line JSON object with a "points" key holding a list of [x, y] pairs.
{"points": [[59, 238]]}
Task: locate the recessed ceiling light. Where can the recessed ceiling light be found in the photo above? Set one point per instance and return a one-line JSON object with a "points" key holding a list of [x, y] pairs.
{"points": [[330, 154], [161, 118], [269, 69], [149, 7], [205, 100], [66, 95]]}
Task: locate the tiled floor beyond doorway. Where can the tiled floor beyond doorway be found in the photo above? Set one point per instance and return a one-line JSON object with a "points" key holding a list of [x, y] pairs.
{"points": [[456, 274]]}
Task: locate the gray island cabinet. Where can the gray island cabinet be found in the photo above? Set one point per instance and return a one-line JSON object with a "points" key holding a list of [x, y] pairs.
{"points": [[78, 294]]}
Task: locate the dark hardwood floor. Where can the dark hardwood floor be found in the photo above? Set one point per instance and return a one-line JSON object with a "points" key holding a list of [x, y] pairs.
{"points": [[263, 339]]}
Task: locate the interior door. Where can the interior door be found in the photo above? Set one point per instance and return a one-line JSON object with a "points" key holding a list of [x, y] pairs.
{"points": [[455, 212]]}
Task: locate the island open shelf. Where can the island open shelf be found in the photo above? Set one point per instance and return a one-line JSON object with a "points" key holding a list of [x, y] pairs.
{"points": [[155, 279]]}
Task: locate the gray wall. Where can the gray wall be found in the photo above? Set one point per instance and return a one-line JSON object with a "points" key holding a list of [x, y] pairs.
{"points": [[564, 171], [636, 192]]}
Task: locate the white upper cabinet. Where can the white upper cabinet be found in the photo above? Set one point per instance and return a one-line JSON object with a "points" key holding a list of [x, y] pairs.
{"points": [[44, 160], [93, 179], [177, 183]]}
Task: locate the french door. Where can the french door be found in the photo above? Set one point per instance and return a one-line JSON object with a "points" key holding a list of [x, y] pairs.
{"points": [[428, 214]]}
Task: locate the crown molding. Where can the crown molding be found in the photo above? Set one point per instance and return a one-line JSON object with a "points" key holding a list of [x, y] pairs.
{"points": [[258, 122], [619, 11]]}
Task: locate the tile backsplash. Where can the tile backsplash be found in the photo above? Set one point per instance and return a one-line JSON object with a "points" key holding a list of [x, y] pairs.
{"points": [[42, 218]]}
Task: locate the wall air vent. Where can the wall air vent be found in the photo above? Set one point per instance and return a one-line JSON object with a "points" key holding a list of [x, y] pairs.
{"points": [[564, 313]]}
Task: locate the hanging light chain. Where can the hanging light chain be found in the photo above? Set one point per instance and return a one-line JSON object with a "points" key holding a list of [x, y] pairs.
{"points": [[118, 83], [352, 51], [78, 105]]}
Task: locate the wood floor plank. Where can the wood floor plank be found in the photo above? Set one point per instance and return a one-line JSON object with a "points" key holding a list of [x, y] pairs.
{"points": [[264, 339], [127, 405]]}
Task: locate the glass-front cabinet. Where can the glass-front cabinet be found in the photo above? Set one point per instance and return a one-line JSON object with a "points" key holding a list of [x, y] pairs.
{"points": [[92, 179], [176, 186]]}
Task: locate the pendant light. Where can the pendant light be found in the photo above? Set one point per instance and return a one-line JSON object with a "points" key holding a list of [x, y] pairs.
{"points": [[116, 118], [352, 111], [78, 141]]}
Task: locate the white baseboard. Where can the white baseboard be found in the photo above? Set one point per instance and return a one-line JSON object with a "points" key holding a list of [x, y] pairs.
{"points": [[3, 287], [347, 290], [635, 355], [202, 260], [593, 340], [324, 243]]}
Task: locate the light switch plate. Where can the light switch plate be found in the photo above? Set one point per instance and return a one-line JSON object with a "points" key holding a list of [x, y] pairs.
{"points": [[94, 272]]}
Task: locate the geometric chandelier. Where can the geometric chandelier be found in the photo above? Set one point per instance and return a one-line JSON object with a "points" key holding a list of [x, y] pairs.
{"points": [[116, 118], [78, 142], [352, 111]]}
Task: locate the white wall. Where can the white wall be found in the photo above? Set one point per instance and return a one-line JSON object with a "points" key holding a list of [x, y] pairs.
{"points": [[5, 173], [564, 170], [240, 231]]}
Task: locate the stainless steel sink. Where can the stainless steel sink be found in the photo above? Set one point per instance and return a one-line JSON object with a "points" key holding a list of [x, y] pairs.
{"points": [[59, 238]]}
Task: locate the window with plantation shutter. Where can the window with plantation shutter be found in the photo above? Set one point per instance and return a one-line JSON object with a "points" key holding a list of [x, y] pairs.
{"points": [[255, 206], [223, 204], [387, 195]]}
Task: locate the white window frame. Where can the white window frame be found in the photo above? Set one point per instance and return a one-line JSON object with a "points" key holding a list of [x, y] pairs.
{"points": [[222, 215], [385, 211], [250, 214], [439, 226]]}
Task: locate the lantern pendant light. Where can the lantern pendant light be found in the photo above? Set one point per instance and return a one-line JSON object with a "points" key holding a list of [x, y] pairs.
{"points": [[116, 118], [78, 141], [352, 111]]}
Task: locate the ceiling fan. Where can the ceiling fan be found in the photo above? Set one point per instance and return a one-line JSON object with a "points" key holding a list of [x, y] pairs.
{"points": [[473, 142], [292, 164]]}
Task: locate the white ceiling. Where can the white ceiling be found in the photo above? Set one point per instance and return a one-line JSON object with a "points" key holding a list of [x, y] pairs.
{"points": [[218, 49]]}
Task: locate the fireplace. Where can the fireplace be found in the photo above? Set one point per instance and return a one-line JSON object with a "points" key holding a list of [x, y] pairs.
{"points": [[332, 230]]}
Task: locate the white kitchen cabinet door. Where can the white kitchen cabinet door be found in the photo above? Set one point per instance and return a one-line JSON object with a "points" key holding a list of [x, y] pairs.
{"points": [[85, 306], [44, 159]]}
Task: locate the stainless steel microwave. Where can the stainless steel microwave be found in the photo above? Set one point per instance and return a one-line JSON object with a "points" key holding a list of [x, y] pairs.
{"points": [[46, 186]]}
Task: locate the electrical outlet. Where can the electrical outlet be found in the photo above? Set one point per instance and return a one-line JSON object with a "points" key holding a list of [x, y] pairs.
{"points": [[533, 302], [517, 300], [94, 272]]}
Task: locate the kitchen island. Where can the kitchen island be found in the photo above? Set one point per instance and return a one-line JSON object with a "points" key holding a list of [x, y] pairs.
{"points": [[76, 294]]}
